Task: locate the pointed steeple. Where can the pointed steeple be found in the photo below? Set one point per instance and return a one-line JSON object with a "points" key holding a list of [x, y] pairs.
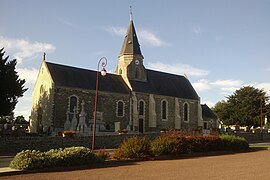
{"points": [[131, 44], [130, 60]]}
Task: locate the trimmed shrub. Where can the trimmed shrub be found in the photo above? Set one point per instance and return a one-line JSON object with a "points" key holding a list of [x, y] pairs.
{"points": [[234, 143], [180, 143], [134, 148], [28, 160], [202, 143], [71, 156], [163, 145]]}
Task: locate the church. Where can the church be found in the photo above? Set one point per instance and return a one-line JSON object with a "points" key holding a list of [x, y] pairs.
{"points": [[134, 98]]}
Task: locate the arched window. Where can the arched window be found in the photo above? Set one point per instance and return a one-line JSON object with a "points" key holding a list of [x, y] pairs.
{"points": [[137, 73], [164, 110], [120, 109], [141, 108], [186, 114], [73, 101]]}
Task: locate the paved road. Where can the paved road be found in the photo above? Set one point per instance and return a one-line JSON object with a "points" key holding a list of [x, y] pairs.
{"points": [[250, 165]]}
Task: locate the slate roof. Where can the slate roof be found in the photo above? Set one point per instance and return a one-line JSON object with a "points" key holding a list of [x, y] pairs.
{"points": [[165, 84], [131, 44], [207, 112], [72, 77]]}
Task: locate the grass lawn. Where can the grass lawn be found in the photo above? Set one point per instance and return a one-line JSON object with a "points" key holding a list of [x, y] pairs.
{"points": [[260, 146]]}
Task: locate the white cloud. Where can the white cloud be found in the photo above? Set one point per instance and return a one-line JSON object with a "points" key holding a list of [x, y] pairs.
{"points": [[146, 37], [208, 103], [118, 31], [178, 69], [264, 86], [202, 85], [228, 90], [29, 75], [228, 83], [149, 38], [267, 69], [24, 105], [24, 50], [25, 112], [227, 86]]}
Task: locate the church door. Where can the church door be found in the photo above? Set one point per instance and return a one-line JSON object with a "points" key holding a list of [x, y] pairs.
{"points": [[141, 125]]}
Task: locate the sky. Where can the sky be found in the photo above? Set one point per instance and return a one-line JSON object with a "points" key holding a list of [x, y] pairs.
{"points": [[219, 45]]}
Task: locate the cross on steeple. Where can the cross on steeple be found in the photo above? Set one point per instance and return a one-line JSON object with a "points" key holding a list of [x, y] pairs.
{"points": [[130, 11], [44, 56]]}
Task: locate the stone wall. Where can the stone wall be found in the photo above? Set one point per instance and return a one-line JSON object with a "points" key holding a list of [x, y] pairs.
{"points": [[106, 104], [169, 123], [254, 137], [17, 144]]}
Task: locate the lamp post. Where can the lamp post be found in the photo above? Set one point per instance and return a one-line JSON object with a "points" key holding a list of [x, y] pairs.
{"points": [[261, 113], [103, 72]]}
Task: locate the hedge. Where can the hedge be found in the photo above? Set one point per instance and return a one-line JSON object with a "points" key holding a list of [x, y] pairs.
{"points": [[32, 159]]}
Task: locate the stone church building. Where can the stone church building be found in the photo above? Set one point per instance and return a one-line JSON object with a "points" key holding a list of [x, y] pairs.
{"points": [[134, 98]]}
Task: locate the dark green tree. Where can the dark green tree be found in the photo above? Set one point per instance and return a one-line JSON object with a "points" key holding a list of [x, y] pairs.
{"points": [[20, 120], [223, 111], [12, 87], [246, 106], [243, 107]]}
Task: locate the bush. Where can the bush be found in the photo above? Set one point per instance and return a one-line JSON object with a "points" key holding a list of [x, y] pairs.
{"points": [[202, 143], [134, 148], [102, 154], [164, 145], [179, 143], [28, 160], [71, 156], [230, 142]]}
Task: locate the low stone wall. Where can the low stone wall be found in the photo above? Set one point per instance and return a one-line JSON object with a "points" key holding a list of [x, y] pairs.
{"points": [[254, 137], [10, 145], [17, 144]]}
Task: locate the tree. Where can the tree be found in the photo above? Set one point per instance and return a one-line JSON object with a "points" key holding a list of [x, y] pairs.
{"points": [[20, 120], [222, 110], [243, 107], [11, 86]]}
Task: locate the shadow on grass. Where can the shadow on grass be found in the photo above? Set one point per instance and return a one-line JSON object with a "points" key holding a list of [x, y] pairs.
{"points": [[119, 163]]}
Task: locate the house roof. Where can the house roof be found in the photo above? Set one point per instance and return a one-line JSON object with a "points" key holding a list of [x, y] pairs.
{"points": [[131, 44], [207, 112], [165, 84], [67, 76]]}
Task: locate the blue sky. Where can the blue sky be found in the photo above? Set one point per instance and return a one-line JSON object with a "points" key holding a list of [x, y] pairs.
{"points": [[221, 45]]}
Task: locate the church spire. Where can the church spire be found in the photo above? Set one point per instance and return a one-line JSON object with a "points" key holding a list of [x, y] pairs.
{"points": [[131, 44]]}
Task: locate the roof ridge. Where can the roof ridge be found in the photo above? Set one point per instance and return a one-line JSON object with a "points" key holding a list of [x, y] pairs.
{"points": [[79, 68], [165, 72]]}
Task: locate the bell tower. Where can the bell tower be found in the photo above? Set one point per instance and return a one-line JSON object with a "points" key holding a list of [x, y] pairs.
{"points": [[130, 60]]}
